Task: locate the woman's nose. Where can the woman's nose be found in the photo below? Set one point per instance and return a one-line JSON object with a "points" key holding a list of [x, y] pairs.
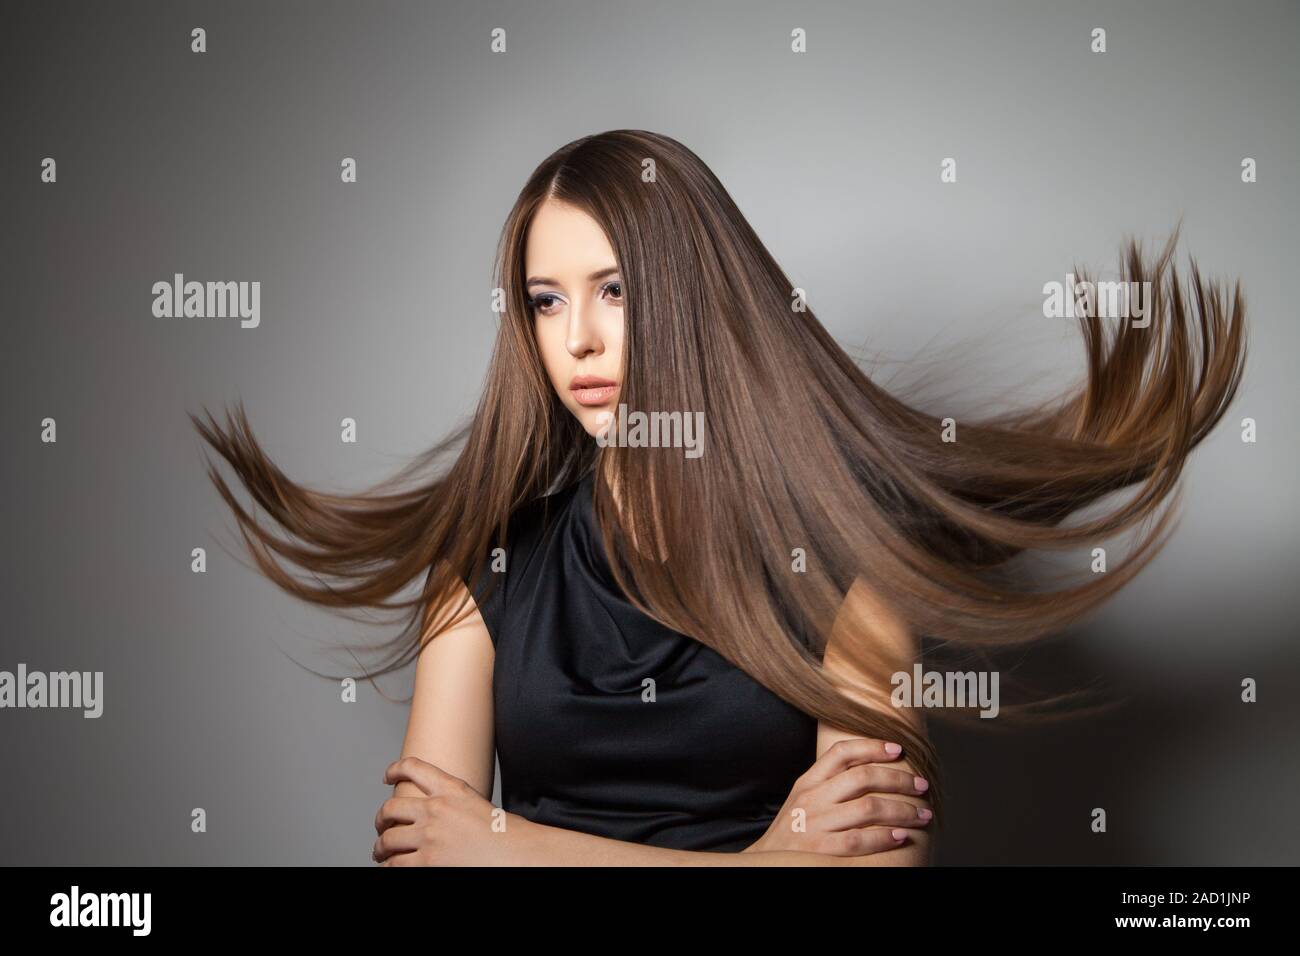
{"points": [[582, 337]]}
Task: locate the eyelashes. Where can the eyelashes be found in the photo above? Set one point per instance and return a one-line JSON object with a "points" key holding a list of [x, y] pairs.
{"points": [[542, 303]]}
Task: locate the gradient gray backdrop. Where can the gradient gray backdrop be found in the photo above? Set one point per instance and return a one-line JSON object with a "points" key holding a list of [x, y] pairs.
{"points": [[225, 166]]}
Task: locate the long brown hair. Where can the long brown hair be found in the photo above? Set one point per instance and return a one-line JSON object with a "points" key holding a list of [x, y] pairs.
{"points": [[803, 451]]}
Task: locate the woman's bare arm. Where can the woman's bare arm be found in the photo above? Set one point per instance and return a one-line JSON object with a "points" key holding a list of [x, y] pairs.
{"points": [[542, 845], [863, 613], [450, 724], [451, 727]]}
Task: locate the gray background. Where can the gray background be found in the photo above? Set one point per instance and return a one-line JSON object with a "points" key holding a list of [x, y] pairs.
{"points": [[225, 166]]}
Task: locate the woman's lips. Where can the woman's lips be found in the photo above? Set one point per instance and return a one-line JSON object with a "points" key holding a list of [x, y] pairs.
{"points": [[593, 394]]}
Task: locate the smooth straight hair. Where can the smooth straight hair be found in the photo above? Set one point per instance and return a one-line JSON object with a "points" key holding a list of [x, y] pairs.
{"points": [[805, 455]]}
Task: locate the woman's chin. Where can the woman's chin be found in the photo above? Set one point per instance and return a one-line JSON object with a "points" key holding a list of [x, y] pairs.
{"points": [[596, 421]]}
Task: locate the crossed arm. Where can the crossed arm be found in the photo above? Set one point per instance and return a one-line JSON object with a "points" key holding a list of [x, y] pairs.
{"points": [[440, 811]]}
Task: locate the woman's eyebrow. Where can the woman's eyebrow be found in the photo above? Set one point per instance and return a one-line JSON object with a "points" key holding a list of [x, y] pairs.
{"points": [[599, 274]]}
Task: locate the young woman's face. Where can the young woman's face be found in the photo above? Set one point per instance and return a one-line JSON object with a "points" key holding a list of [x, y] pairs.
{"points": [[572, 278]]}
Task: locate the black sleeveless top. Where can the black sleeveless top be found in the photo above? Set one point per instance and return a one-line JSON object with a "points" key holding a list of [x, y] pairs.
{"points": [[705, 762]]}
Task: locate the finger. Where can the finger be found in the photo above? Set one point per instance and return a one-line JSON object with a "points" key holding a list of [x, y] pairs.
{"points": [[870, 778], [872, 810], [419, 772], [398, 810], [849, 752], [864, 841], [402, 859], [398, 839]]}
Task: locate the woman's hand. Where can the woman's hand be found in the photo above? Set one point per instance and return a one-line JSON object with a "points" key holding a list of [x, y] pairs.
{"points": [[450, 825], [838, 817]]}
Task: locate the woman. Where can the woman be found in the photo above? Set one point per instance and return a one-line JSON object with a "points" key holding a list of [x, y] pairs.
{"points": [[683, 637]]}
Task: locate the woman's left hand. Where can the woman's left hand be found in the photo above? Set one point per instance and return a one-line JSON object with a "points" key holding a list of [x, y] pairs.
{"points": [[451, 824]]}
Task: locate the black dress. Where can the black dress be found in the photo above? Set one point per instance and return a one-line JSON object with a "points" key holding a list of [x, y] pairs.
{"points": [[609, 723]]}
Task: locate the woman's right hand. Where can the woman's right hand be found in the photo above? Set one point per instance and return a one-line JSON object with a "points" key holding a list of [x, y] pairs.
{"points": [[844, 813]]}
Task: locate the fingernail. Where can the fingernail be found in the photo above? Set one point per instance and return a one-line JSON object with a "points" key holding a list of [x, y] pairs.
{"points": [[921, 783], [898, 834], [924, 813], [893, 749]]}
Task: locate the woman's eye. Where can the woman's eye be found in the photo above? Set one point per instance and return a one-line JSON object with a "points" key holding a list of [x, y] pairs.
{"points": [[545, 302], [542, 303]]}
